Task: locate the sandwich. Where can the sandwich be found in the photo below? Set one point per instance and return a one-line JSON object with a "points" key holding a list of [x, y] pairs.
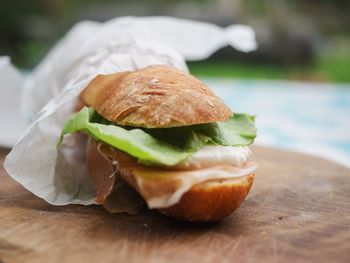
{"points": [[160, 136]]}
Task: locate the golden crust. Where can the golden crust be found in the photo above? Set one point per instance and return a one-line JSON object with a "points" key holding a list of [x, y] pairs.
{"points": [[209, 201], [212, 200], [154, 97]]}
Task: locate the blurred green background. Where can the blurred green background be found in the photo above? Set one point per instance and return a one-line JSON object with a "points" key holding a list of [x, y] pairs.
{"points": [[298, 39]]}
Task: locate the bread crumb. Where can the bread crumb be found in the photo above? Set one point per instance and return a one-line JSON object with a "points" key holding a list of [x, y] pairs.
{"points": [[154, 81], [210, 103]]}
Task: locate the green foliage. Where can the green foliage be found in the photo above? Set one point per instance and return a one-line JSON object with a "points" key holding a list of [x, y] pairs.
{"points": [[327, 69]]}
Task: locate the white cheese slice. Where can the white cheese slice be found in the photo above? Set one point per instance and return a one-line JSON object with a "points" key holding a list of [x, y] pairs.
{"points": [[213, 155], [184, 181]]}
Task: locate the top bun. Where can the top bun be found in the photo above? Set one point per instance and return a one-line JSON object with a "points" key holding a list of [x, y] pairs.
{"points": [[154, 97]]}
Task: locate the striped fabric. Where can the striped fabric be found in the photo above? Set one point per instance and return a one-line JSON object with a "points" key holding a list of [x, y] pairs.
{"points": [[311, 118]]}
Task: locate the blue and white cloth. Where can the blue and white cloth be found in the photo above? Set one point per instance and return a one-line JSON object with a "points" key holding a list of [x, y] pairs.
{"points": [[311, 118]]}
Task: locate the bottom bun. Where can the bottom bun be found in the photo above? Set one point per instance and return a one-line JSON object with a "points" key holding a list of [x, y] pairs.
{"points": [[209, 201], [212, 200]]}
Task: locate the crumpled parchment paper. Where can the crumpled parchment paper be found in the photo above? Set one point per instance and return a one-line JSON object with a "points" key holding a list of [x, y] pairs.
{"points": [[11, 118]]}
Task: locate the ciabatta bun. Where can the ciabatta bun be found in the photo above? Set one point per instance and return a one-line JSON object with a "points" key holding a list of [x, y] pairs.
{"points": [[162, 97], [212, 200], [209, 201], [154, 97]]}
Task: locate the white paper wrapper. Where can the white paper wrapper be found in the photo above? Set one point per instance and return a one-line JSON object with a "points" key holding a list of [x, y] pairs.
{"points": [[12, 121], [189, 40], [60, 177]]}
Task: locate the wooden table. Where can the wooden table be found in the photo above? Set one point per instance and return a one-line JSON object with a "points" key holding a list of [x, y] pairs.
{"points": [[298, 211]]}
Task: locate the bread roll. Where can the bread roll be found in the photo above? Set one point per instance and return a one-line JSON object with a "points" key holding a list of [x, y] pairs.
{"points": [[154, 97], [212, 200], [163, 97]]}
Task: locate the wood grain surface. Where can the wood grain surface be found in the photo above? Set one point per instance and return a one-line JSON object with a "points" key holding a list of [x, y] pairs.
{"points": [[298, 211]]}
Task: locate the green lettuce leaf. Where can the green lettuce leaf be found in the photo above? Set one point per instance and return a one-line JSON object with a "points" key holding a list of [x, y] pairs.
{"points": [[135, 142], [163, 146], [238, 131]]}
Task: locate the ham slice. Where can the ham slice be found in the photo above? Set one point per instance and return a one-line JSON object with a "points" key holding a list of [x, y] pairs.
{"points": [[159, 186]]}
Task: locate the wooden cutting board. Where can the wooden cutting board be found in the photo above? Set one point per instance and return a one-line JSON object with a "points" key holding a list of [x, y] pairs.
{"points": [[298, 211]]}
